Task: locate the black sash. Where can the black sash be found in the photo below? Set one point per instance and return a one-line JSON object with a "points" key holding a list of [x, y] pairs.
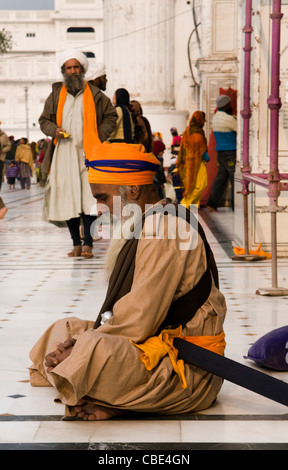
{"points": [[183, 309]]}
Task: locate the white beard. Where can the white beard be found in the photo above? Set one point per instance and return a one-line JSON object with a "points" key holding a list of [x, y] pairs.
{"points": [[121, 232], [116, 244]]}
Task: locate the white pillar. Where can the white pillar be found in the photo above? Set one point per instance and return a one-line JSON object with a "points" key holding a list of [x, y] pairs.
{"points": [[139, 52], [139, 56]]}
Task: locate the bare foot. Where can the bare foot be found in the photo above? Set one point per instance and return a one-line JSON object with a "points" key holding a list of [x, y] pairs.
{"points": [[90, 412], [211, 209], [3, 212]]}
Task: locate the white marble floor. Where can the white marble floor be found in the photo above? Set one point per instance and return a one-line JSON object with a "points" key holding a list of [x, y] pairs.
{"points": [[40, 284]]}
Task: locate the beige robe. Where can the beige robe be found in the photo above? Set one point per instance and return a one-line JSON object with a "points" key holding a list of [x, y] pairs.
{"points": [[68, 193], [105, 366]]}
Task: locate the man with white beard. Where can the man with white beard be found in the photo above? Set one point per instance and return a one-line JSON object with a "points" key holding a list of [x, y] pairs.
{"points": [[163, 285], [77, 115]]}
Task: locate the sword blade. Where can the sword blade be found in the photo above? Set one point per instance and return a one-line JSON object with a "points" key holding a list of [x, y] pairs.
{"points": [[233, 371]]}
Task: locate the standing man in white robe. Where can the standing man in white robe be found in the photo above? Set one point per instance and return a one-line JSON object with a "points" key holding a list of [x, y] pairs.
{"points": [[77, 115]]}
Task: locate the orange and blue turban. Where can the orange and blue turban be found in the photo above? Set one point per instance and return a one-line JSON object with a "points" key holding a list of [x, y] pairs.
{"points": [[121, 164]]}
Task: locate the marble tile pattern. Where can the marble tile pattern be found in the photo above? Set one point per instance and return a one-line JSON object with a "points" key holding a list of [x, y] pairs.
{"points": [[40, 284]]}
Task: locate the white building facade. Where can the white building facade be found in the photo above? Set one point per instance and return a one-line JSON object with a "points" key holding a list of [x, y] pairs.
{"points": [[162, 51], [173, 56], [27, 72]]}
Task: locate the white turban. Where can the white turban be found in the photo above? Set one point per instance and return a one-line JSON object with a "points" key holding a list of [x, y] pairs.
{"points": [[74, 54], [97, 71]]}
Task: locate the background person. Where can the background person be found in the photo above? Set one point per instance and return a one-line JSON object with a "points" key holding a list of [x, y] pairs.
{"points": [[224, 127], [191, 160], [124, 131], [77, 115], [24, 157], [97, 76], [142, 130], [176, 141], [11, 174], [5, 146], [159, 178]]}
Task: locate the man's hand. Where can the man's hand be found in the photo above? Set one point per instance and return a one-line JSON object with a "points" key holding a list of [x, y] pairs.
{"points": [[62, 352], [59, 134]]}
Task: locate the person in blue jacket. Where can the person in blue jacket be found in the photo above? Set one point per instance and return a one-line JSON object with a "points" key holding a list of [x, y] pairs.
{"points": [[224, 126]]}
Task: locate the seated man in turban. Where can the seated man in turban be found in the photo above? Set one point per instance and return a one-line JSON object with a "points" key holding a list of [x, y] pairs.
{"points": [[126, 360], [77, 115]]}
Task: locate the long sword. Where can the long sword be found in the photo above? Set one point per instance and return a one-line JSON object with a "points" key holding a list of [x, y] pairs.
{"points": [[233, 371]]}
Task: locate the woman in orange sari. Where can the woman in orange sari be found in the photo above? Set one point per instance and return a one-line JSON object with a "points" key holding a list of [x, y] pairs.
{"points": [[191, 160]]}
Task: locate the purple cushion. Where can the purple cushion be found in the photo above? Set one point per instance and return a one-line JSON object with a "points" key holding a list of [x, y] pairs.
{"points": [[271, 350]]}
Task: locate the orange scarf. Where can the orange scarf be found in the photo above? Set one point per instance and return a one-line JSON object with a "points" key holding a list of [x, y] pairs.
{"points": [[156, 347], [90, 131]]}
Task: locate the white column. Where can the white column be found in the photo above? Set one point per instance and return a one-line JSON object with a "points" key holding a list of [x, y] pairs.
{"points": [[139, 52]]}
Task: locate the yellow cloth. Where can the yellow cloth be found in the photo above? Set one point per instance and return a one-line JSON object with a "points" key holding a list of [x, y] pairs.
{"points": [[90, 131], [194, 196], [24, 154], [259, 252], [120, 163], [156, 347]]}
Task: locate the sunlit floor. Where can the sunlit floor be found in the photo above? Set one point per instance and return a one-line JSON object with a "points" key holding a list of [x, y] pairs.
{"points": [[40, 284]]}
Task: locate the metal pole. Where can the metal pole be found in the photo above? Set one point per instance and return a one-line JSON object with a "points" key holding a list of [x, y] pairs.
{"points": [[246, 112], [274, 249], [27, 111], [246, 226], [246, 115], [274, 104]]}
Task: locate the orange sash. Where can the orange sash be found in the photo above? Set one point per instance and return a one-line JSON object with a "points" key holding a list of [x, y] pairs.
{"points": [[156, 347], [90, 131], [215, 344]]}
